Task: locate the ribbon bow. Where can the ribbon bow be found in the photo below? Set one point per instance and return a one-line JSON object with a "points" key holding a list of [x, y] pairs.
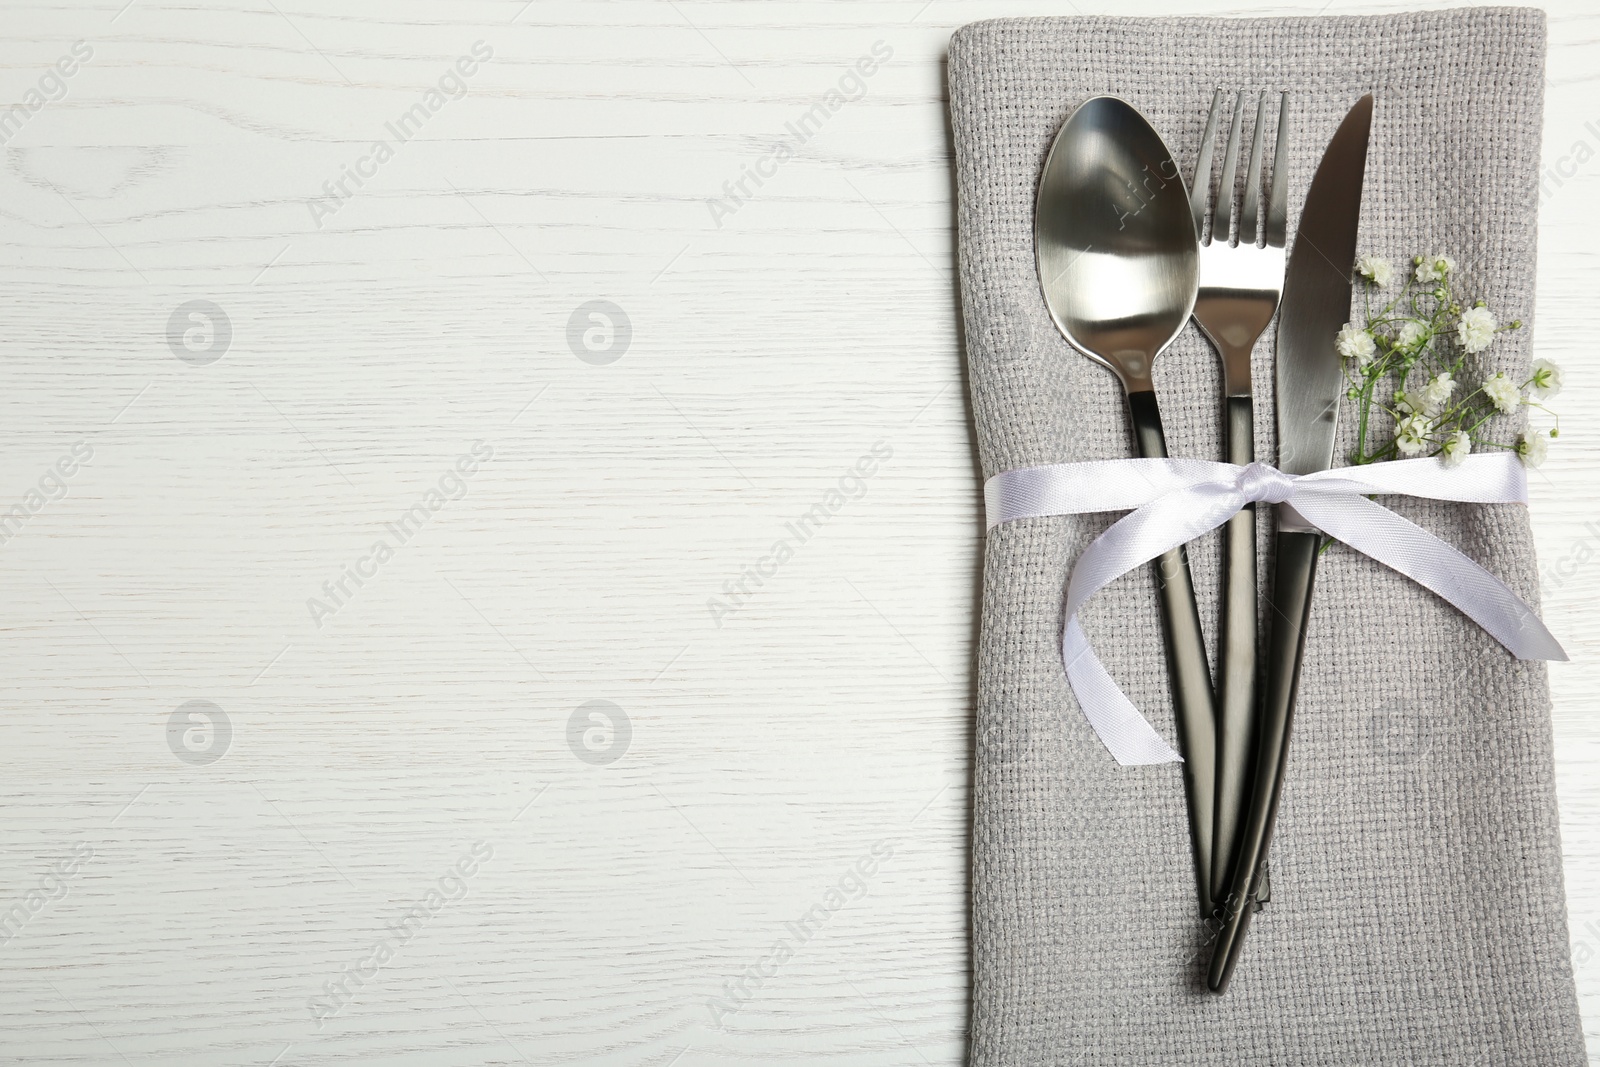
{"points": [[1173, 501]]}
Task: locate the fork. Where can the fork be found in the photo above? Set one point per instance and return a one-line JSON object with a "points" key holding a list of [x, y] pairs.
{"points": [[1240, 283]]}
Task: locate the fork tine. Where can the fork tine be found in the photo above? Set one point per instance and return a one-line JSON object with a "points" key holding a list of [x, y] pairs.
{"points": [[1250, 218], [1230, 170], [1278, 199], [1200, 188]]}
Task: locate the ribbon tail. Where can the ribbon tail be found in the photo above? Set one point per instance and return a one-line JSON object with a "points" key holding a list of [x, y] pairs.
{"points": [[1129, 736], [1401, 544], [1134, 539]]}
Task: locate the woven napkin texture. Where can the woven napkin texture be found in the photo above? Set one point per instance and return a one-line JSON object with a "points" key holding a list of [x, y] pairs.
{"points": [[1418, 915]]}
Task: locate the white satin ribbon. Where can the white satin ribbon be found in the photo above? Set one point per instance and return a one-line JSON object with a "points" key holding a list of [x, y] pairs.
{"points": [[1174, 501]]}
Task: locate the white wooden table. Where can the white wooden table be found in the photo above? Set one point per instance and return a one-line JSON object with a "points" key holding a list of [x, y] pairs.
{"points": [[397, 830]]}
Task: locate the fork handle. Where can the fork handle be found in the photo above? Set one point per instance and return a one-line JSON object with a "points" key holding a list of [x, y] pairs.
{"points": [[1190, 673], [1236, 719]]}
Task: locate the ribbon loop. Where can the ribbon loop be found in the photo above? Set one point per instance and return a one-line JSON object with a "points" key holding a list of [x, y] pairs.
{"points": [[1174, 501]]}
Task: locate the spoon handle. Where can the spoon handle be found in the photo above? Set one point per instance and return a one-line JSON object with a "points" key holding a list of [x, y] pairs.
{"points": [[1190, 673]]}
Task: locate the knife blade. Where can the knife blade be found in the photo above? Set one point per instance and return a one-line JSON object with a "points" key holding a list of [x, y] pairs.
{"points": [[1310, 380]]}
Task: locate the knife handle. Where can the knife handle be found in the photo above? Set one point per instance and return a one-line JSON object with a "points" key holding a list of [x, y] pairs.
{"points": [[1236, 673], [1293, 576], [1192, 696]]}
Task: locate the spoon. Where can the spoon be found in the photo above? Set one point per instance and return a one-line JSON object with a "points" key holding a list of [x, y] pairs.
{"points": [[1119, 263]]}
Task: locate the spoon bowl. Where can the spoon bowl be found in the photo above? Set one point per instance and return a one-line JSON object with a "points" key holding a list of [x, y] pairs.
{"points": [[1118, 258]]}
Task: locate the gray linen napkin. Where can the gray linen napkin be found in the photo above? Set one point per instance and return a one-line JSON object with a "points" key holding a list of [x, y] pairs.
{"points": [[1418, 914]]}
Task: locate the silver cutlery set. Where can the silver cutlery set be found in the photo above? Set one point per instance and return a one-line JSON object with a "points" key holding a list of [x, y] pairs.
{"points": [[1126, 256]]}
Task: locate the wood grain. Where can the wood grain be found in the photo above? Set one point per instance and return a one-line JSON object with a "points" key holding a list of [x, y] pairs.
{"points": [[628, 910]]}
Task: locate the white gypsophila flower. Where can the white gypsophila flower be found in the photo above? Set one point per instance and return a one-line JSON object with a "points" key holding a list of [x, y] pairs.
{"points": [[1457, 447], [1436, 393], [1502, 392], [1476, 329], [1405, 404], [1356, 344], [1411, 334], [1411, 436], [1376, 269], [1546, 380], [1433, 268], [1533, 448]]}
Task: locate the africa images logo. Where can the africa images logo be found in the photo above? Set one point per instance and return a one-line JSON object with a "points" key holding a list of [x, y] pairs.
{"points": [[451, 85], [851, 485], [449, 887], [451, 485], [850, 87], [851, 887]]}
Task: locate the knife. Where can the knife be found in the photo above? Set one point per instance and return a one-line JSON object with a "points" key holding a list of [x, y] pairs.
{"points": [[1316, 303]]}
